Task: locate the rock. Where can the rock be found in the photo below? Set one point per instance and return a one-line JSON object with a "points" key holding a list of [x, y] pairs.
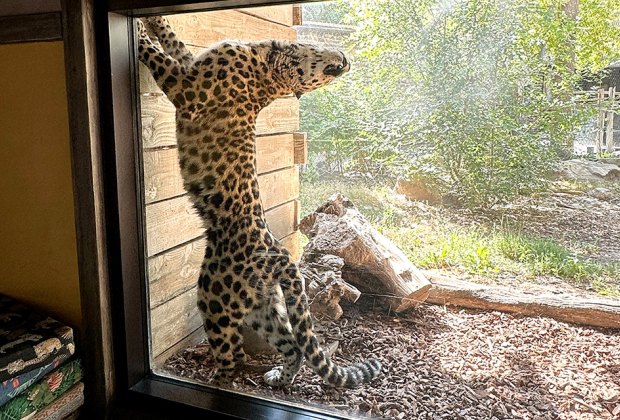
{"points": [[416, 189], [611, 160], [586, 170], [601, 194]]}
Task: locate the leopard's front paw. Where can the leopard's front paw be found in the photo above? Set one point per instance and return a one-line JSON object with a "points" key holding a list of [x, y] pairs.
{"points": [[142, 30], [222, 378]]}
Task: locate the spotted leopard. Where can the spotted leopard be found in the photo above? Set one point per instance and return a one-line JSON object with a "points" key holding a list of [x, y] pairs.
{"points": [[247, 277]]}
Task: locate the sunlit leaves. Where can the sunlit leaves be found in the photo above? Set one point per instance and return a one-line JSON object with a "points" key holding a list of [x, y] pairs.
{"points": [[481, 94]]}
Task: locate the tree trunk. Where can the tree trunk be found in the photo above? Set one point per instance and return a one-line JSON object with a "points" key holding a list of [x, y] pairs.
{"points": [[596, 312]]}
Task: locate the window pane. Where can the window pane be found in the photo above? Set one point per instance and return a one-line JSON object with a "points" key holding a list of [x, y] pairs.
{"points": [[470, 145]]}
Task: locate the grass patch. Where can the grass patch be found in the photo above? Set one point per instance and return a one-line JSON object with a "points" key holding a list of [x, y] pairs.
{"points": [[371, 200], [468, 250], [545, 256]]}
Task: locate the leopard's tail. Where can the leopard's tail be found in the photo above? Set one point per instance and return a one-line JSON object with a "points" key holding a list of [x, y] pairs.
{"points": [[303, 329]]}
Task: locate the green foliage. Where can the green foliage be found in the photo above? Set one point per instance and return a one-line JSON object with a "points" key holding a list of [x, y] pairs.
{"points": [[478, 95]]}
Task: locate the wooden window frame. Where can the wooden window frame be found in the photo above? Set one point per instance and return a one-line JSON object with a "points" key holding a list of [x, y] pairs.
{"points": [[104, 125], [37, 27]]}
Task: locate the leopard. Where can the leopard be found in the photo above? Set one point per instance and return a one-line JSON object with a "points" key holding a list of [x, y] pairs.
{"points": [[248, 279]]}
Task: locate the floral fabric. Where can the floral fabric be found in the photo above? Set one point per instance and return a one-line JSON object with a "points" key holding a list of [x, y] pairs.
{"points": [[65, 405], [43, 393], [13, 387]]}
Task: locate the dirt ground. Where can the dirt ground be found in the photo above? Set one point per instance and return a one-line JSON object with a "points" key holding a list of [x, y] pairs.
{"points": [[584, 221], [440, 363]]}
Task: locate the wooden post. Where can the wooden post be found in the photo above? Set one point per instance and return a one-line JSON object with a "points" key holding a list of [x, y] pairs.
{"points": [[301, 148], [600, 122], [610, 121], [297, 15]]}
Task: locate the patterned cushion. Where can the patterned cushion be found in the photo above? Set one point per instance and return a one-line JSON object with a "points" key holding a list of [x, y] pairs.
{"points": [[64, 406], [29, 340], [13, 387], [44, 392]]}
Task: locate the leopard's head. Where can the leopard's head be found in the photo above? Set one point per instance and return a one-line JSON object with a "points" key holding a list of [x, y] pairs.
{"points": [[298, 68]]}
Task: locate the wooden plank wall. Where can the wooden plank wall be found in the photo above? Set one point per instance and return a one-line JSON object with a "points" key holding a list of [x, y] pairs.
{"points": [[175, 237]]}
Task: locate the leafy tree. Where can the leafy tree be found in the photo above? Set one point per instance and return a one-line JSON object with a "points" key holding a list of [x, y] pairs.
{"points": [[477, 95]]}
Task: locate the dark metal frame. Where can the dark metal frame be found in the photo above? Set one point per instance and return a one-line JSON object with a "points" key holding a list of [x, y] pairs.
{"points": [[116, 188]]}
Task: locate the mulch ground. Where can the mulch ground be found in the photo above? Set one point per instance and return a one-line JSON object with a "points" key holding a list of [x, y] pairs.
{"points": [[441, 363]]}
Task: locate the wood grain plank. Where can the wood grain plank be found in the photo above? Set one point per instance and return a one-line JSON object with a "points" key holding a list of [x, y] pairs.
{"points": [[31, 28], [206, 28], [175, 271], [21, 7], [162, 176], [274, 152], [147, 82], [301, 148], [87, 167], [282, 116], [159, 127], [279, 187], [195, 337], [297, 15], [173, 222], [282, 220], [292, 244], [170, 223], [278, 14], [173, 321], [158, 121]]}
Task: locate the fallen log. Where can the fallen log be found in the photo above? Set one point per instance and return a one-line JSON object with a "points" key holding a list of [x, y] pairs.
{"points": [[564, 307], [324, 284], [372, 263]]}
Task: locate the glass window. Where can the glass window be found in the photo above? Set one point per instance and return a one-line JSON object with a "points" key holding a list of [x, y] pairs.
{"points": [[398, 144]]}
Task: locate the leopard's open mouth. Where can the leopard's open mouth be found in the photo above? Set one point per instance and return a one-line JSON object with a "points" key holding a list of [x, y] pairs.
{"points": [[337, 69], [334, 70]]}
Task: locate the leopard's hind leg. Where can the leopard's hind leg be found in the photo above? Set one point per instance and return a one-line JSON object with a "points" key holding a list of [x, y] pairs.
{"points": [[271, 322], [223, 333]]}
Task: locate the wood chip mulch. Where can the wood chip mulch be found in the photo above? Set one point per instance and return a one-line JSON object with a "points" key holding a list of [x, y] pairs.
{"points": [[441, 363]]}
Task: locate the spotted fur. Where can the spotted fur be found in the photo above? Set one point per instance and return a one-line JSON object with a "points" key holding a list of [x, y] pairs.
{"points": [[247, 276]]}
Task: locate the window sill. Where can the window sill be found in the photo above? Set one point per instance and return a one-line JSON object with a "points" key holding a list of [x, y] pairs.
{"points": [[163, 397]]}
